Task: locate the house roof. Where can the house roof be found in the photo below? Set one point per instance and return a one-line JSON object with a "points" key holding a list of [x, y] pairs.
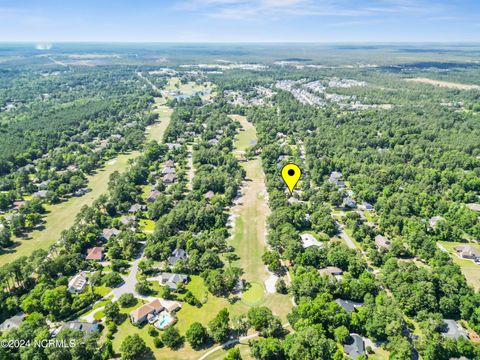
{"points": [[382, 241], [79, 281], [107, 233], [177, 255], [12, 322], [127, 219], [136, 207], [309, 240], [171, 280], [153, 195], [474, 207], [348, 305], [453, 330], [153, 306], [209, 194], [95, 253], [78, 325], [333, 270], [355, 347], [467, 251], [170, 177]]}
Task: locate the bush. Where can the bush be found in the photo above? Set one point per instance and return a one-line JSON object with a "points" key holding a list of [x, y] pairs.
{"points": [[127, 300], [281, 287], [152, 331], [171, 338], [158, 343], [112, 279], [197, 335]]}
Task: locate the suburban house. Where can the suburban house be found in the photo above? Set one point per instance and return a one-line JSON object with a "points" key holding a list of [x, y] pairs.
{"points": [[335, 177], [177, 255], [12, 323], [355, 346], [348, 202], [348, 305], [136, 207], [86, 327], [95, 253], [474, 207], [213, 142], [366, 206], [41, 194], [108, 233], [167, 170], [434, 220], [153, 195], [78, 283], [171, 280], [332, 271], [382, 242], [453, 330], [169, 163], [128, 219], [209, 194], [140, 315], [173, 146], [170, 178], [309, 240], [468, 252]]}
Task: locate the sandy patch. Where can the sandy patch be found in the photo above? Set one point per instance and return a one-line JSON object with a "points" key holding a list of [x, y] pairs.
{"points": [[444, 84], [111, 162]]}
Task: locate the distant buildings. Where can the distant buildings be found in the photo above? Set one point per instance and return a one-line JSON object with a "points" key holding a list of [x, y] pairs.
{"points": [[128, 220], [335, 177]]}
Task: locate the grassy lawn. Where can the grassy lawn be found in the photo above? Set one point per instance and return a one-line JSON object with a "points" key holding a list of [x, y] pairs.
{"points": [[102, 290], [147, 225], [244, 139], [470, 270], [62, 216]]}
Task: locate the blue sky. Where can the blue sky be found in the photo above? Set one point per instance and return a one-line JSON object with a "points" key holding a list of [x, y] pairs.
{"points": [[240, 20]]}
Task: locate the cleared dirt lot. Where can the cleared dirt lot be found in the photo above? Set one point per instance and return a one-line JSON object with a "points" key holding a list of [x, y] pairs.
{"points": [[444, 84]]}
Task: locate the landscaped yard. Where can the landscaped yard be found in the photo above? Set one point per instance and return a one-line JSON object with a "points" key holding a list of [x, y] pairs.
{"points": [[470, 270]]}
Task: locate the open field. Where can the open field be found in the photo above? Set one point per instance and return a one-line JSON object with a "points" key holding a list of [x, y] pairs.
{"points": [[62, 216], [249, 240], [470, 270], [444, 84]]}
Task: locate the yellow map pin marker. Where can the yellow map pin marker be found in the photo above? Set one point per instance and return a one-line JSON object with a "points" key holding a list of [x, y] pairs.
{"points": [[291, 174]]}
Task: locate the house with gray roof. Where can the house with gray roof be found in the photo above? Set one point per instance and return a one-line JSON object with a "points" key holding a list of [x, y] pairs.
{"points": [[355, 346], [13, 322], [171, 280], [177, 255], [108, 233], [453, 330], [348, 305], [85, 327]]}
